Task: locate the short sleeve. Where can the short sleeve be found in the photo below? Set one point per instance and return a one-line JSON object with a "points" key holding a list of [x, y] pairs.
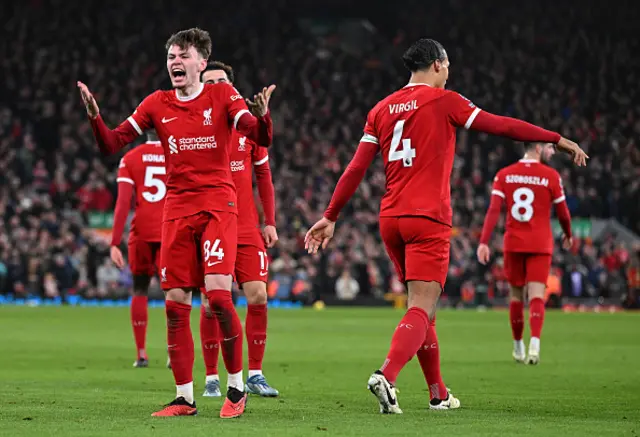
{"points": [[370, 134], [498, 186], [460, 110], [557, 191], [124, 171], [141, 117], [259, 155], [236, 106]]}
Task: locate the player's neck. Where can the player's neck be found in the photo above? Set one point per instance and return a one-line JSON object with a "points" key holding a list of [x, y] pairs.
{"points": [[531, 157], [189, 91], [422, 78]]}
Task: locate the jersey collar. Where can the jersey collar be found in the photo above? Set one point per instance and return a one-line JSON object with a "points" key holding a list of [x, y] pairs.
{"points": [[416, 84], [192, 96], [529, 160]]}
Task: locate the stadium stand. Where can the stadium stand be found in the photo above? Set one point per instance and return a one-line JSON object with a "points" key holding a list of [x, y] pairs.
{"points": [[57, 193]]}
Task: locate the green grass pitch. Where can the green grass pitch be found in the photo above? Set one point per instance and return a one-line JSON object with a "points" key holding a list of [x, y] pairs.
{"points": [[67, 372]]}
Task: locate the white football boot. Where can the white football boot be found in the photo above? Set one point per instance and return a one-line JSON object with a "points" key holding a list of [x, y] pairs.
{"points": [[385, 392], [518, 351], [534, 351]]}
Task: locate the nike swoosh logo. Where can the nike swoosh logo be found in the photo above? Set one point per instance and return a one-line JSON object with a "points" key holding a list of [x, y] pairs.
{"points": [[392, 400], [229, 339], [167, 120], [211, 264], [264, 274]]}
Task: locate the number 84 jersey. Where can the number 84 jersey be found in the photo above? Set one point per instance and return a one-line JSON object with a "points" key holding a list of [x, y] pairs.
{"points": [[529, 189], [415, 130], [144, 168]]}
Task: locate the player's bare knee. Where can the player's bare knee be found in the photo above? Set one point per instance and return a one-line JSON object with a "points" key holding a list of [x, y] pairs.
{"points": [[255, 292], [516, 294], [535, 290], [141, 285], [218, 282], [180, 295], [424, 295]]}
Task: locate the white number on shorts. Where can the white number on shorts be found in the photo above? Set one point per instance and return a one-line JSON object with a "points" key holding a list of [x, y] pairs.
{"points": [[264, 261], [214, 251], [151, 181], [522, 209], [406, 154]]}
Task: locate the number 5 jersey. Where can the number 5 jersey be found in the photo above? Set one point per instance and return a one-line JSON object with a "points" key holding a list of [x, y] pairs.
{"points": [[144, 169]]}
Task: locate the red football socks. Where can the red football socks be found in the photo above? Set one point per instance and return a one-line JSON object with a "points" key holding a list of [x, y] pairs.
{"points": [[407, 339], [180, 341], [536, 316], [210, 341], [139, 319], [429, 357], [516, 316], [230, 328], [256, 327]]}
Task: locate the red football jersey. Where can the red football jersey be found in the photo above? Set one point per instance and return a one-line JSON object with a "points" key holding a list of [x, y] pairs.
{"points": [[244, 155], [144, 168], [415, 128], [529, 189], [195, 132]]}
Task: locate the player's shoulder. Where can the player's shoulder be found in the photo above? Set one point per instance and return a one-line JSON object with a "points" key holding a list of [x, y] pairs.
{"points": [[149, 147], [159, 96], [222, 90]]}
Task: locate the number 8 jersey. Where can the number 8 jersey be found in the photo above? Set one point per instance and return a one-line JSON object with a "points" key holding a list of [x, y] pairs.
{"points": [[415, 129], [144, 168], [529, 189]]}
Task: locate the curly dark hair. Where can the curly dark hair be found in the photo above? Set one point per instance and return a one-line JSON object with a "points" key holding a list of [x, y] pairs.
{"points": [[217, 65], [422, 54]]}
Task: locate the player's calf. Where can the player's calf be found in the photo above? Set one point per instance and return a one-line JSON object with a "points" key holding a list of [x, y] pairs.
{"points": [[256, 332], [536, 319], [219, 295], [516, 319], [139, 318]]}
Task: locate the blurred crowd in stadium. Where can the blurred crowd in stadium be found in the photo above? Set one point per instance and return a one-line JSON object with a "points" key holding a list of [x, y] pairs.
{"points": [[330, 70]]}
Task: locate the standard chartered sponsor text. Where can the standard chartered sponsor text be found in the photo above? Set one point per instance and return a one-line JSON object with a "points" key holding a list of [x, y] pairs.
{"points": [[197, 143]]}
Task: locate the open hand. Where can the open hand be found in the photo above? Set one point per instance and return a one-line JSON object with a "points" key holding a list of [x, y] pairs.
{"points": [[259, 106], [567, 242], [319, 235], [573, 149], [88, 100]]}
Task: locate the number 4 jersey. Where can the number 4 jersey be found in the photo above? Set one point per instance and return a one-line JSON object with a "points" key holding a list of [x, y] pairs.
{"points": [[415, 130], [529, 189], [144, 168]]}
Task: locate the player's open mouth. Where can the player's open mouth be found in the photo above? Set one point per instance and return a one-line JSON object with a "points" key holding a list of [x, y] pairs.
{"points": [[178, 73]]}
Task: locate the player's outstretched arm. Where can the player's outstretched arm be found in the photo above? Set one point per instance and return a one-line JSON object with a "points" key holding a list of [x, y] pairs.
{"points": [[351, 178], [256, 123], [109, 141], [522, 131], [321, 233], [490, 221]]}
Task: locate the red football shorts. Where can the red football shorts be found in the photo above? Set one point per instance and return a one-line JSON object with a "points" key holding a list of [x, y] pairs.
{"points": [[144, 257], [197, 245], [252, 263], [418, 247], [522, 268]]}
